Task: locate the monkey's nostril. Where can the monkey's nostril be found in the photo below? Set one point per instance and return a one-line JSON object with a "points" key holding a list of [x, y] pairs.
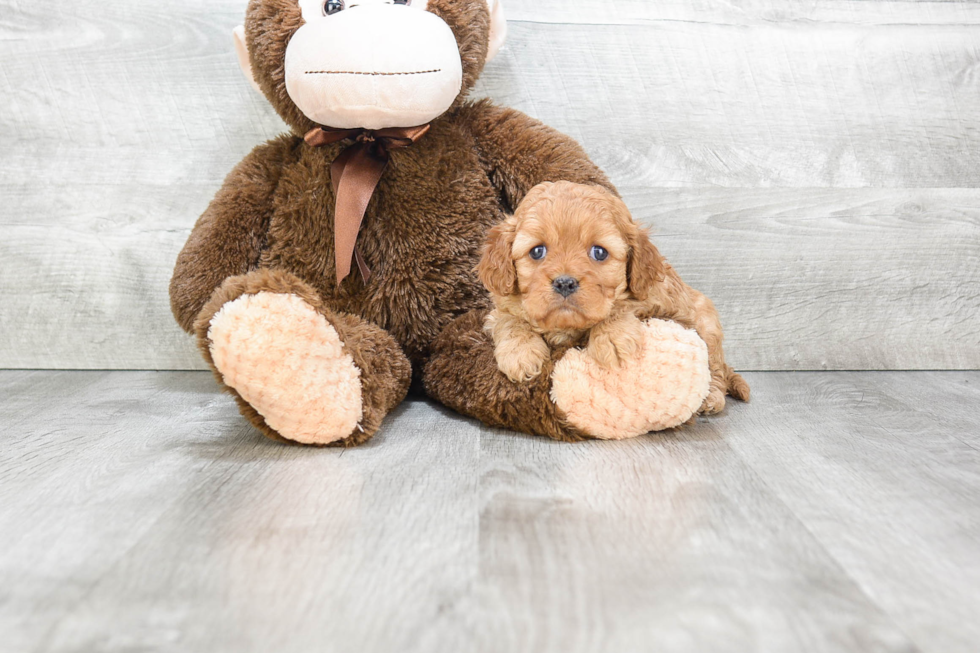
{"points": [[565, 286]]}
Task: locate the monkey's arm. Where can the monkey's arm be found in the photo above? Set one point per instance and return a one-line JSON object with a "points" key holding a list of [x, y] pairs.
{"points": [[521, 152], [227, 240]]}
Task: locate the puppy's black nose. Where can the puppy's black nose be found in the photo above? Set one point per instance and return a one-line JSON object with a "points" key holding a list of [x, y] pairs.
{"points": [[565, 286]]}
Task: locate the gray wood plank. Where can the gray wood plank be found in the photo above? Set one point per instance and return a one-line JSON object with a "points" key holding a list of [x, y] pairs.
{"points": [[89, 462], [884, 471], [748, 12], [829, 278], [784, 104], [141, 513], [118, 122], [664, 544], [838, 512]]}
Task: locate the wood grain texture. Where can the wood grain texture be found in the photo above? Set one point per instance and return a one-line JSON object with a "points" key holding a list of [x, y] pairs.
{"points": [[775, 104], [837, 512], [119, 120], [829, 278], [884, 469], [666, 544], [143, 496], [749, 12]]}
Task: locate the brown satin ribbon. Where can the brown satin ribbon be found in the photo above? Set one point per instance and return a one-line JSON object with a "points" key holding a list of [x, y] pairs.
{"points": [[355, 175]]}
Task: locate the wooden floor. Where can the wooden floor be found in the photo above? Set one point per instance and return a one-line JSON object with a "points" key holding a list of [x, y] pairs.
{"points": [[838, 512]]}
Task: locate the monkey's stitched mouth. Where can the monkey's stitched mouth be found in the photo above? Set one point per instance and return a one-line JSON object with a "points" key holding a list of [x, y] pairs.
{"points": [[352, 72]]}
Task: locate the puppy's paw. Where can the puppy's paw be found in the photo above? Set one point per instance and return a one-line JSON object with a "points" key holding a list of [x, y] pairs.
{"points": [[522, 361], [713, 404], [616, 345]]}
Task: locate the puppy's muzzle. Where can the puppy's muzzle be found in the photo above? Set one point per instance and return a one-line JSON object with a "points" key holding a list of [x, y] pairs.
{"points": [[565, 286]]}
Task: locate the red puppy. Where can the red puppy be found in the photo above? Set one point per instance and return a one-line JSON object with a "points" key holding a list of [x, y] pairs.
{"points": [[571, 267]]}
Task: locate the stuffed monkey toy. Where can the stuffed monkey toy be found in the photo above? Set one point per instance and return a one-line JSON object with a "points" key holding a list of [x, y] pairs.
{"points": [[335, 268]]}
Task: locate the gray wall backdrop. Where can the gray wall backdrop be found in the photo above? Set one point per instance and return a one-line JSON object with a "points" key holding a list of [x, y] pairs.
{"points": [[812, 166]]}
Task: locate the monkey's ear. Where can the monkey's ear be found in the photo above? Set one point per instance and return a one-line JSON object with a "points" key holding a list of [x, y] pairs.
{"points": [[496, 267], [498, 28], [646, 266], [241, 49]]}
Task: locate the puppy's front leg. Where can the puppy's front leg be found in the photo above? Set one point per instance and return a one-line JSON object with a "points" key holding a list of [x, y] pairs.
{"points": [[616, 339], [520, 352]]}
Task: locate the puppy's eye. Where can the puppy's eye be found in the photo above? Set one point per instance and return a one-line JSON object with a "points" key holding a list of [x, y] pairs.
{"points": [[539, 252], [330, 7], [403, 2], [598, 253]]}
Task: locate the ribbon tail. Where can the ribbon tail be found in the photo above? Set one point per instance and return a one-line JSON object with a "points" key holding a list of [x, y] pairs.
{"points": [[337, 169], [362, 265], [360, 174]]}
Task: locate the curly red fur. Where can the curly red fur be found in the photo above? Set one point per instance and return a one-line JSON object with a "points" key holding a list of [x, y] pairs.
{"points": [[614, 295]]}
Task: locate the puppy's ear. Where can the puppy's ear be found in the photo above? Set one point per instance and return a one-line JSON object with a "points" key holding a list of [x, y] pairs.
{"points": [[646, 266], [496, 268]]}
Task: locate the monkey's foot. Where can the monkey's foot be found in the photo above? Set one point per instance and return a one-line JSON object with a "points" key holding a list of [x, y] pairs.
{"points": [[660, 388], [288, 362]]}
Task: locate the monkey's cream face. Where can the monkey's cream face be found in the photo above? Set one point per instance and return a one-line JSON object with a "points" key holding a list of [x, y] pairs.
{"points": [[372, 64]]}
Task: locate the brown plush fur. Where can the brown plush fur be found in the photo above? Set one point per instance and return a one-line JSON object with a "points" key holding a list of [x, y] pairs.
{"points": [[463, 375], [612, 297], [270, 227]]}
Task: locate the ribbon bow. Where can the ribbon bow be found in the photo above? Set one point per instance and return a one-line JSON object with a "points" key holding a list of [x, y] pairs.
{"points": [[355, 175]]}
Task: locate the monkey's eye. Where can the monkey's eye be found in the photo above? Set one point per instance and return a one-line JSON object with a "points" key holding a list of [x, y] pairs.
{"points": [[330, 7], [598, 253], [539, 252]]}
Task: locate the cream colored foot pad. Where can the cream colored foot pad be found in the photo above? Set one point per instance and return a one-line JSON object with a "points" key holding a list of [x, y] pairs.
{"points": [[288, 362], [660, 389]]}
